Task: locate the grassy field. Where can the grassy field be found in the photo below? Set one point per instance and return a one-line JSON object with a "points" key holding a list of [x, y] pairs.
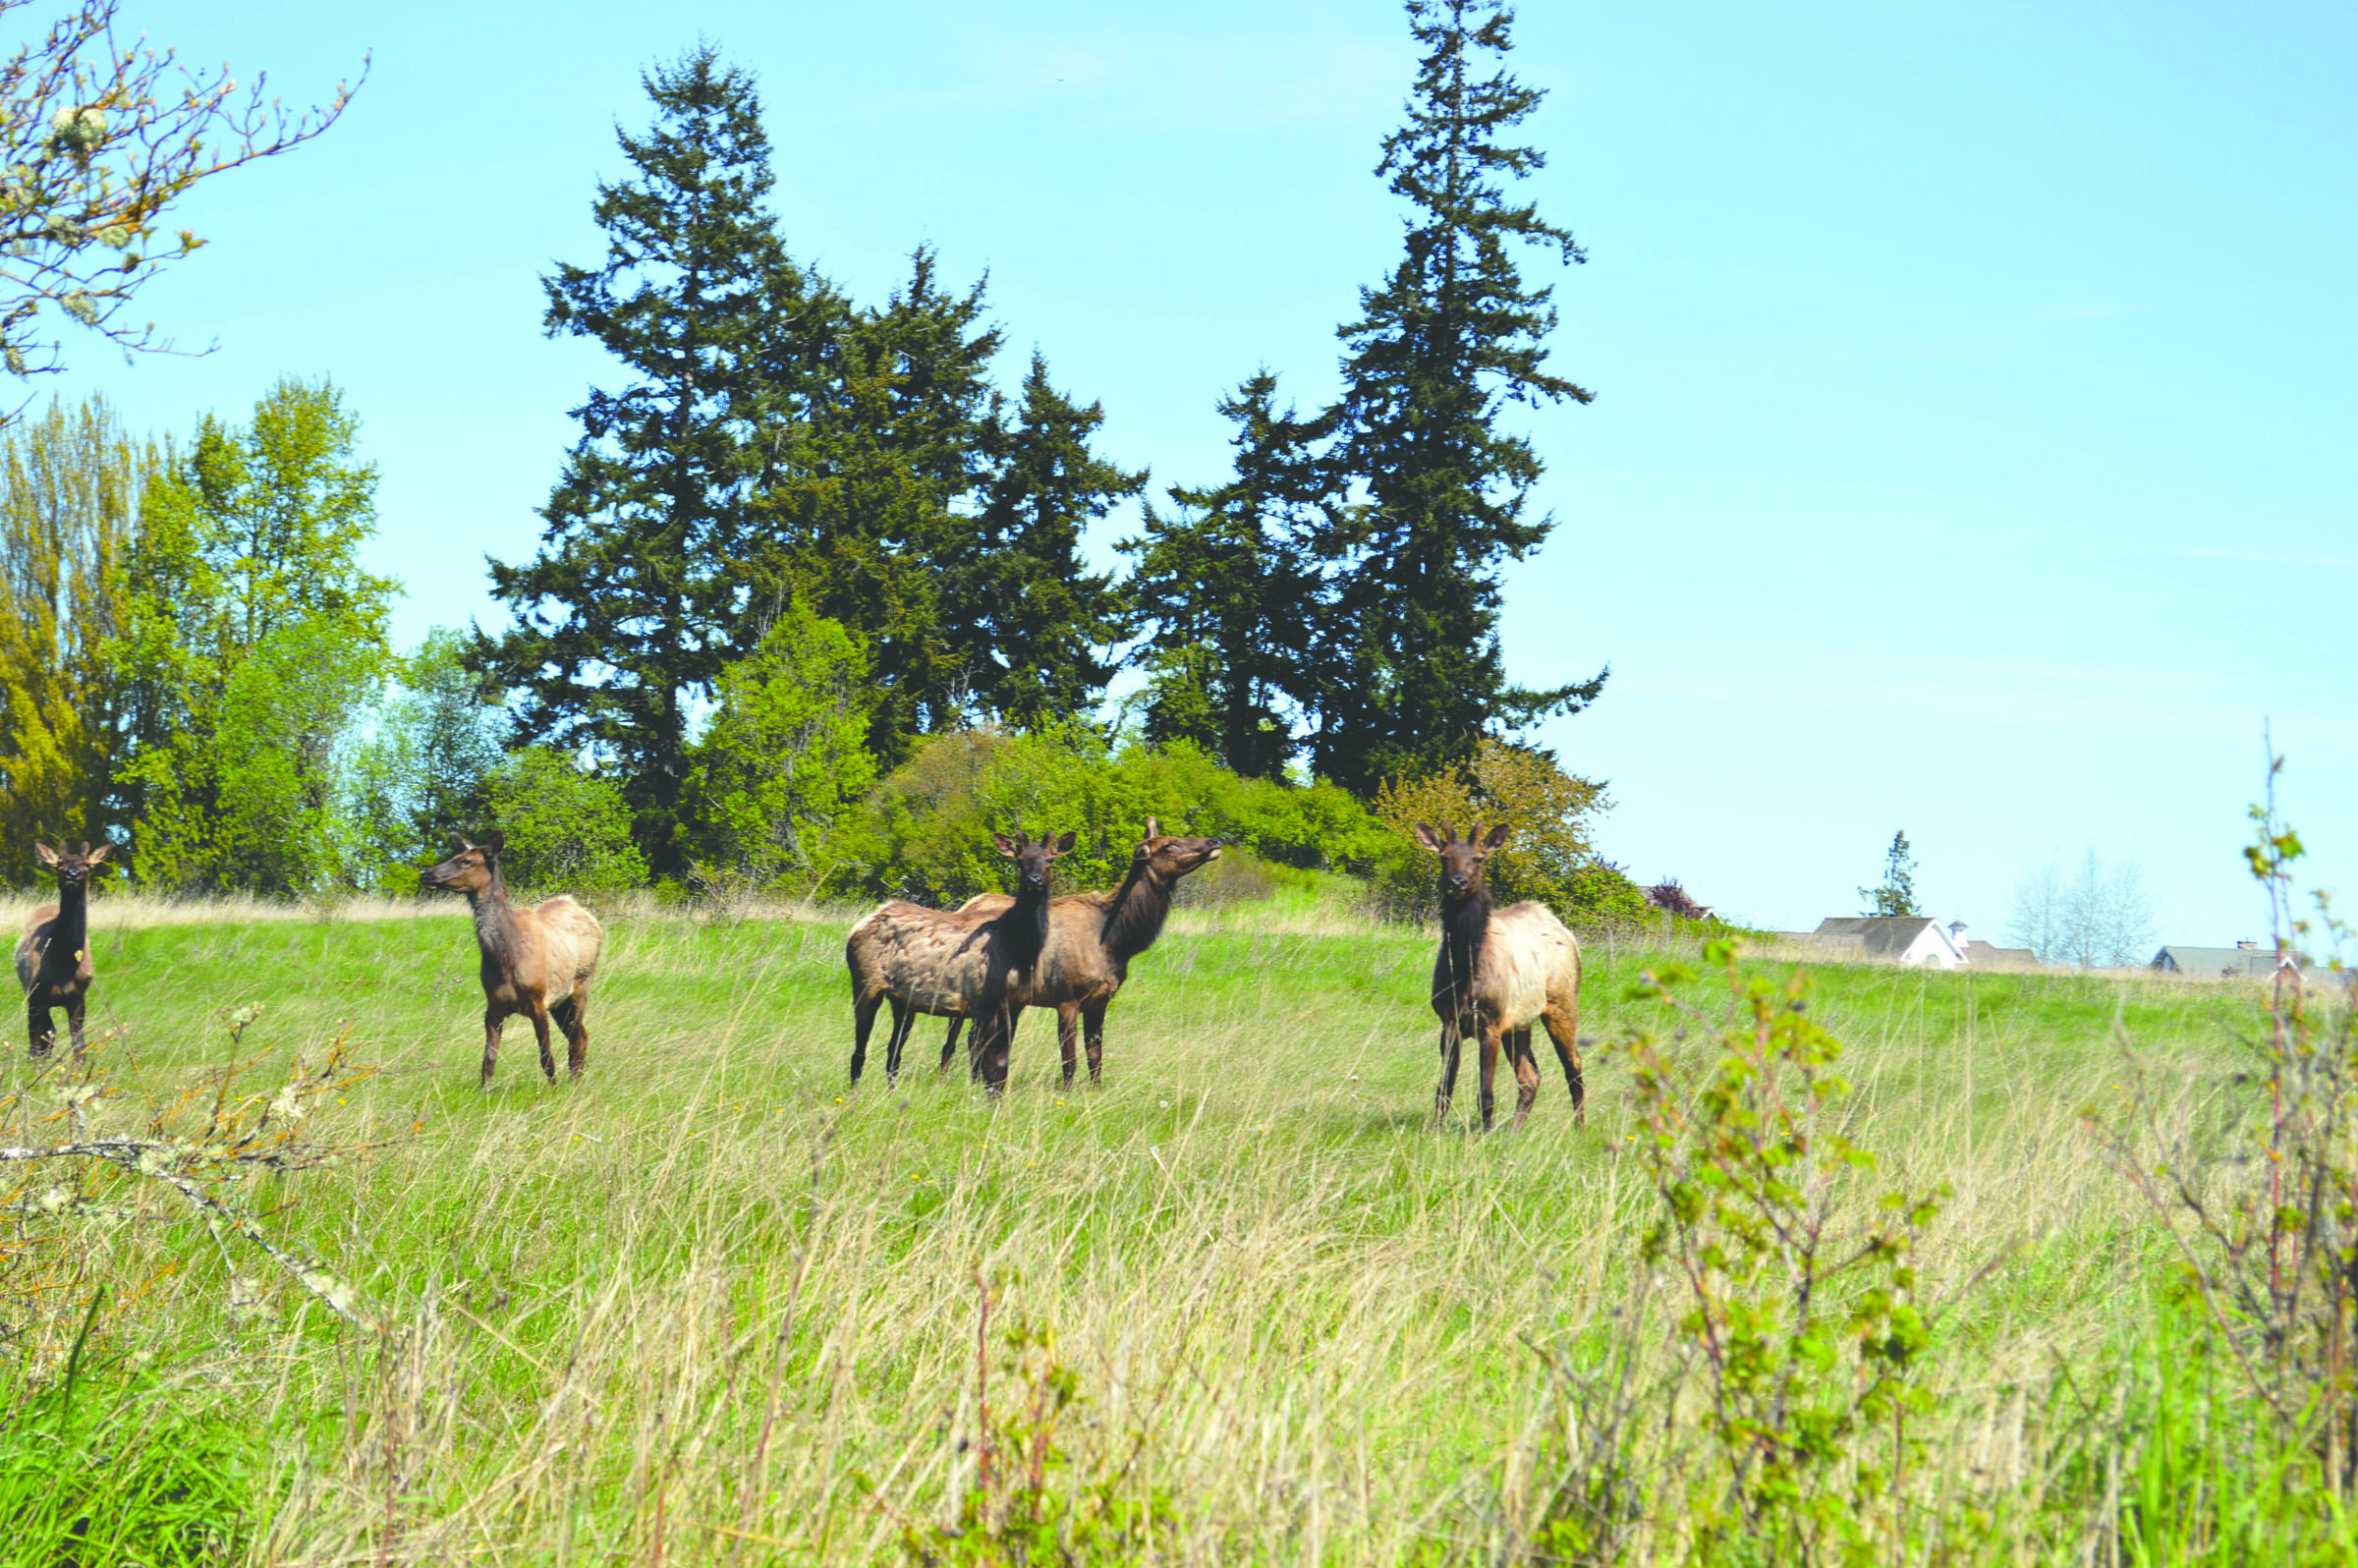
{"points": [[708, 1304]]}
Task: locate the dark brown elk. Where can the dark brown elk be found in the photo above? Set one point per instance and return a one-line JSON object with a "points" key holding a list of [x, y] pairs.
{"points": [[537, 961], [1093, 937], [1499, 973], [53, 956], [954, 962]]}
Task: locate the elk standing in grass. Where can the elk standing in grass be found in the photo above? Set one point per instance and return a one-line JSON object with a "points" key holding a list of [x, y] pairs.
{"points": [[1093, 937], [954, 962], [1499, 971], [536, 960], [53, 956]]}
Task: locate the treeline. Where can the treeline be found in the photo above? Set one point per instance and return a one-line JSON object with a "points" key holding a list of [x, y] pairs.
{"points": [[807, 563]]}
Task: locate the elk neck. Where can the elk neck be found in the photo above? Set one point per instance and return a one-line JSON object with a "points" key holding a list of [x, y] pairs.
{"points": [[494, 917], [1025, 927], [1465, 927], [70, 936], [1134, 917]]}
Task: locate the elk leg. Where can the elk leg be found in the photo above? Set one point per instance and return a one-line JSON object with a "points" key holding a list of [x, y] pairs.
{"points": [[493, 1019], [949, 1046], [38, 1024], [995, 1037], [572, 1014], [863, 1019], [1527, 1072], [74, 1005], [1093, 1018], [548, 1058], [903, 1017], [1450, 1042], [1562, 1028], [1068, 1038], [1489, 1068]]}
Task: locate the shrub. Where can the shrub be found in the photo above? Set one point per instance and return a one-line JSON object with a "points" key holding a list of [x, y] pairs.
{"points": [[567, 830], [924, 832], [1549, 858]]}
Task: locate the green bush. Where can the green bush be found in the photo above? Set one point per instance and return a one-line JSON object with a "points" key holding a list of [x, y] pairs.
{"points": [[567, 831], [924, 832]]}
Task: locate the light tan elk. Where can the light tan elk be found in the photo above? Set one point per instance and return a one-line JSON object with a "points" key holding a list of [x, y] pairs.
{"points": [[1092, 939], [954, 962], [53, 956], [1499, 973], [536, 960]]}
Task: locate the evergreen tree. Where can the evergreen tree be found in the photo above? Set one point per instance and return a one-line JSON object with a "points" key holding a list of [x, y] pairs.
{"points": [[640, 592], [1437, 351], [1019, 613], [1897, 894], [864, 477], [1234, 595]]}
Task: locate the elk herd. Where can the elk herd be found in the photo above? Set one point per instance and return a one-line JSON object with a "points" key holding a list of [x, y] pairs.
{"points": [[1499, 971]]}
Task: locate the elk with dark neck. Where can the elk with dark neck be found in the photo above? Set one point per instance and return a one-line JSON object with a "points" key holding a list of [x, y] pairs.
{"points": [[1498, 972], [955, 963], [1093, 937], [53, 956]]}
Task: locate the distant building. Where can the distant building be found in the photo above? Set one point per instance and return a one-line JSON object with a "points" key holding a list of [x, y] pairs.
{"points": [[1895, 939], [2245, 959], [1988, 956]]}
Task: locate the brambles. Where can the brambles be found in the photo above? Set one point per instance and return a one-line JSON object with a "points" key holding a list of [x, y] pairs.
{"points": [[2258, 1192], [1795, 1299]]}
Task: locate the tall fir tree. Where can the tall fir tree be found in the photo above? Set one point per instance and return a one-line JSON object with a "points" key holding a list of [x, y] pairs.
{"points": [[862, 481], [639, 593], [1449, 339], [1026, 624], [1235, 596]]}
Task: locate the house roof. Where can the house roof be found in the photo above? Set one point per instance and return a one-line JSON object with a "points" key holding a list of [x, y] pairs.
{"points": [[1988, 955], [2216, 960], [1882, 934]]}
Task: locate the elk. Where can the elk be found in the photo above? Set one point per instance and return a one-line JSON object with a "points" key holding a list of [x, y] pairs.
{"points": [[1092, 939], [53, 956], [536, 960], [1497, 973], [954, 962]]}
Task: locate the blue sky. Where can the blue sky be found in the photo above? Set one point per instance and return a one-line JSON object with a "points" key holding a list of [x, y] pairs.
{"points": [[1972, 449]]}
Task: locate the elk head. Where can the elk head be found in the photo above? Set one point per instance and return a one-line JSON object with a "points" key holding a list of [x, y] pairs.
{"points": [[1032, 861], [1461, 858], [474, 868], [72, 869], [1171, 857]]}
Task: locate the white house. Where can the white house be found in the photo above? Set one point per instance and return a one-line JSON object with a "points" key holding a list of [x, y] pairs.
{"points": [[1898, 938]]}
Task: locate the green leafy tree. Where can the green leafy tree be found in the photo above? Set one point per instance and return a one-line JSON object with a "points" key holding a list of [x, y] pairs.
{"points": [[247, 552], [637, 597], [1897, 893], [1235, 597], [1034, 626], [1438, 350], [568, 830], [99, 138], [70, 490], [425, 770], [785, 754]]}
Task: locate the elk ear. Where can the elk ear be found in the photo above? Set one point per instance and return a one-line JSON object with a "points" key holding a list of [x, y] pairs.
{"points": [[1064, 845], [1429, 838], [48, 856], [1151, 830], [494, 841], [458, 841], [1007, 845], [99, 853], [1497, 837]]}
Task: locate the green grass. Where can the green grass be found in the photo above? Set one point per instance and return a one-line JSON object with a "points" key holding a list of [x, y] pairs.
{"points": [[1295, 1311]]}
